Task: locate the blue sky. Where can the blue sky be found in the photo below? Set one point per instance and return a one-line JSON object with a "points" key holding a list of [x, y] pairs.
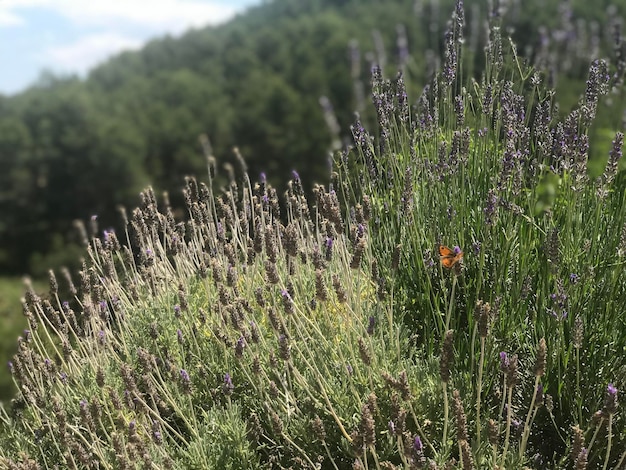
{"points": [[71, 36]]}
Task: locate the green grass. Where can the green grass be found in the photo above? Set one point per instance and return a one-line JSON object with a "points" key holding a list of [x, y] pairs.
{"points": [[12, 325]]}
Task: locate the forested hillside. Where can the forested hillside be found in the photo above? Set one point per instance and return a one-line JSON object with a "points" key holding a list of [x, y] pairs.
{"points": [[71, 148]]}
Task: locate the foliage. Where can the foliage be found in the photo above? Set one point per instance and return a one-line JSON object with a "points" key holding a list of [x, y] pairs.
{"points": [[10, 327], [492, 168], [171, 343], [70, 148], [340, 332]]}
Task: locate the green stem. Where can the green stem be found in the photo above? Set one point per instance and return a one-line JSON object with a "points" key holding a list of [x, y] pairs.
{"points": [[578, 393], [420, 431], [330, 457], [373, 452], [299, 449], [509, 415], [609, 442], [522, 447], [595, 434], [444, 440], [449, 314], [401, 451], [332, 412], [479, 388]]}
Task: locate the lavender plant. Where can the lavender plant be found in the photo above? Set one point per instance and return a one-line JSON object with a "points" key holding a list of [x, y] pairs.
{"points": [[231, 340], [261, 332], [491, 166]]}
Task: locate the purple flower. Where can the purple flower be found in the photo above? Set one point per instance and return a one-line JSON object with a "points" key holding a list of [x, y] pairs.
{"points": [[459, 109], [179, 335], [370, 326], [504, 361], [156, 432], [284, 348], [614, 156], [417, 444], [228, 386], [574, 278], [360, 230], [288, 304], [491, 207], [611, 390], [450, 67], [559, 301], [597, 82], [516, 426], [540, 396], [239, 347], [185, 381], [177, 311]]}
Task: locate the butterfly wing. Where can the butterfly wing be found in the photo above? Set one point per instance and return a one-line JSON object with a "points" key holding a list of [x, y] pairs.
{"points": [[449, 257], [444, 251]]}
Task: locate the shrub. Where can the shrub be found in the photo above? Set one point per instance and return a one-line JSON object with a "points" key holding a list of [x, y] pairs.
{"points": [[344, 333]]}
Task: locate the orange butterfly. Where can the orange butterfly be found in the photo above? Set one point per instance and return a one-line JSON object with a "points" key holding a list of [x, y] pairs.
{"points": [[450, 258]]}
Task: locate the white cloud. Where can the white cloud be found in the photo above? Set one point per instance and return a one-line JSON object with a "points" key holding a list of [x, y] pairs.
{"points": [[169, 15], [11, 14], [75, 35], [8, 18], [173, 16], [88, 51]]}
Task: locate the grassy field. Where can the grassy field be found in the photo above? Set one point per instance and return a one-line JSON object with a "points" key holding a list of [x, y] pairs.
{"points": [[12, 325]]}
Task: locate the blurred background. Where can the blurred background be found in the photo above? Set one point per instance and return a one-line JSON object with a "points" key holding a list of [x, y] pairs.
{"points": [[100, 99]]}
